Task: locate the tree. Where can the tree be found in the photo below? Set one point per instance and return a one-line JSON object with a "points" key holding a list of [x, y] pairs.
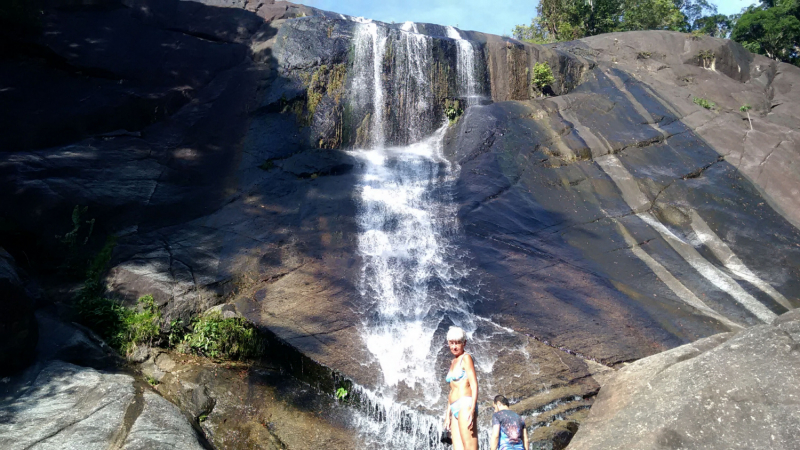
{"points": [[773, 31], [651, 15], [695, 10], [562, 20], [717, 25]]}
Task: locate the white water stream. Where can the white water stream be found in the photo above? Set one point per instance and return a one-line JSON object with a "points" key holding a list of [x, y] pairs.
{"points": [[413, 279], [467, 81]]}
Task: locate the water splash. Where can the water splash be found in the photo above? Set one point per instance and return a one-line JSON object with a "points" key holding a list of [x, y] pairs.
{"points": [[404, 216]]}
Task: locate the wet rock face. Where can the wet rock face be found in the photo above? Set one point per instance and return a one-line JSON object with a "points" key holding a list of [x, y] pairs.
{"points": [[733, 390], [610, 221], [18, 328]]}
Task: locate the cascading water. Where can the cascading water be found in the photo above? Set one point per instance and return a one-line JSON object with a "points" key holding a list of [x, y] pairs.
{"points": [[467, 80], [370, 44], [413, 280]]}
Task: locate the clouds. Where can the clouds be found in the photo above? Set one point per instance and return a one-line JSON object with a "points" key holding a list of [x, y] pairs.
{"points": [[489, 16]]}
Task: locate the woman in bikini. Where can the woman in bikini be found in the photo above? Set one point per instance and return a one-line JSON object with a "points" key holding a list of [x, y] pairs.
{"points": [[459, 417]]}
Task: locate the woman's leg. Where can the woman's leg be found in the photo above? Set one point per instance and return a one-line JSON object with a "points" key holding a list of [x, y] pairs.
{"points": [[455, 433], [468, 438]]}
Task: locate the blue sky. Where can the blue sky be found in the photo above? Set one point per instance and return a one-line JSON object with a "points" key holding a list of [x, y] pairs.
{"points": [[489, 16]]}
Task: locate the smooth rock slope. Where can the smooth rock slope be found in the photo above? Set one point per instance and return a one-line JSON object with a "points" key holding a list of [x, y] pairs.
{"points": [[727, 391], [72, 407]]}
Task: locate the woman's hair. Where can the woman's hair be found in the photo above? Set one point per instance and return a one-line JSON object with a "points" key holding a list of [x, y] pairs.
{"points": [[456, 334]]}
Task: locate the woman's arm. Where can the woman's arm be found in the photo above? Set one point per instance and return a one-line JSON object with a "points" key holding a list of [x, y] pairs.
{"points": [[472, 377], [525, 437]]}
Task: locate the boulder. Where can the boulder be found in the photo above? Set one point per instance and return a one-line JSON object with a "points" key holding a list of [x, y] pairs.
{"points": [[161, 426], [242, 407], [554, 437], [60, 405], [729, 391], [19, 331]]}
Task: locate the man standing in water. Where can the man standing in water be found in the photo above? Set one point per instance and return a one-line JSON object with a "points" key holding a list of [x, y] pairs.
{"points": [[508, 428]]}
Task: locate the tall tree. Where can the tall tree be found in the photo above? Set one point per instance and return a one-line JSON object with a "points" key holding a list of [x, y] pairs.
{"points": [[695, 10], [651, 15], [773, 31], [717, 25], [562, 20]]}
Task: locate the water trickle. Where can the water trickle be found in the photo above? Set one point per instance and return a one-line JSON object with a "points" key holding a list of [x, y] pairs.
{"points": [[370, 46], [467, 81], [410, 27]]}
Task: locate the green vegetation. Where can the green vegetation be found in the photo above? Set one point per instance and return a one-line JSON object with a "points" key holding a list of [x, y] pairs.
{"points": [[202, 417], [716, 25], [324, 81], [74, 244], [542, 75], [706, 57], [562, 20], [72, 237], [268, 164], [176, 333], [703, 102], [218, 338], [151, 381], [341, 393], [771, 28], [125, 328], [746, 109], [453, 110]]}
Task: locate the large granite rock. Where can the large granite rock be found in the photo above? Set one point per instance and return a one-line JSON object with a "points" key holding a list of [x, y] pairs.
{"points": [[605, 218], [64, 406], [18, 327], [243, 407], [727, 391]]}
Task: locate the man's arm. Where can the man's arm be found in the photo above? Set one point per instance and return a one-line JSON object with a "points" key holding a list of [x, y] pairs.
{"points": [[495, 439], [525, 437]]}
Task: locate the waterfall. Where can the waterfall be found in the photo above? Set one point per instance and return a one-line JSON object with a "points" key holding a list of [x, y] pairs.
{"points": [[466, 67], [413, 278], [370, 46]]}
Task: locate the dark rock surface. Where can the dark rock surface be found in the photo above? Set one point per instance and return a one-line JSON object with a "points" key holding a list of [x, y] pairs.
{"points": [[625, 231], [732, 390], [18, 328]]}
